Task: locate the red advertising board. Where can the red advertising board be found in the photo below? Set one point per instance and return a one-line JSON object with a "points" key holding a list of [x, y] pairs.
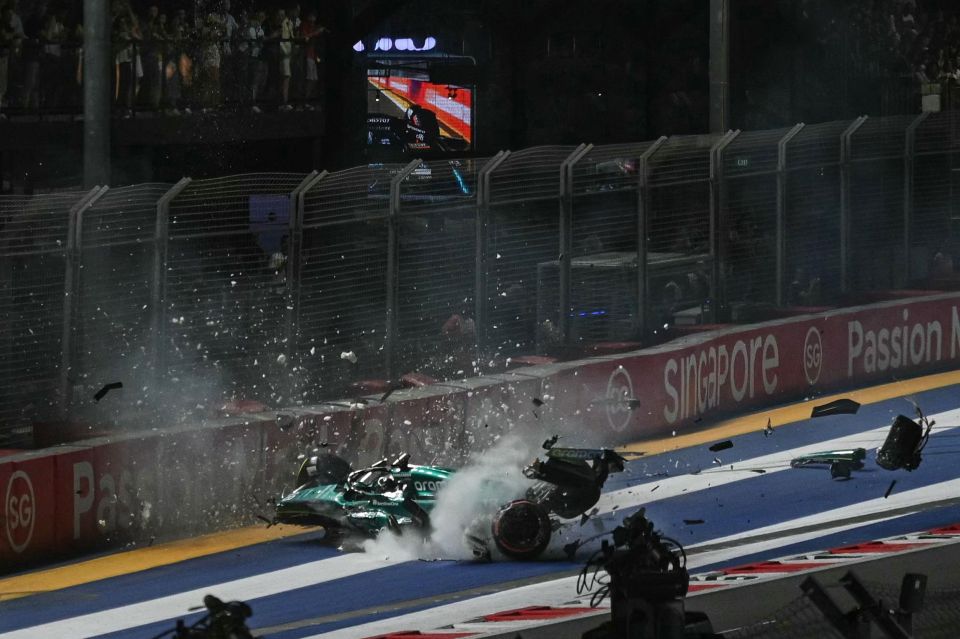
{"points": [[29, 509], [738, 369]]}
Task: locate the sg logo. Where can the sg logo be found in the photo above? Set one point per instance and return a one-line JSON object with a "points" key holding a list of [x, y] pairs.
{"points": [[812, 355], [19, 504]]}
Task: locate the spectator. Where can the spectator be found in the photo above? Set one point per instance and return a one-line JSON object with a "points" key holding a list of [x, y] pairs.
{"points": [[256, 66], [179, 67], [9, 42], [52, 36], [309, 32], [124, 34], [230, 64], [152, 58], [282, 33], [212, 34], [30, 58]]}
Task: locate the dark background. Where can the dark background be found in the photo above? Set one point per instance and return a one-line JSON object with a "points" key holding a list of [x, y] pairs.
{"points": [[603, 71]]}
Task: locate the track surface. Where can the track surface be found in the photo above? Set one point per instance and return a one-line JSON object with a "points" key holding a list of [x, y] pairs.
{"points": [[299, 588]]}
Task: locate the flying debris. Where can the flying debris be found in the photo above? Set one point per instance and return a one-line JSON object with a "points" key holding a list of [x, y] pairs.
{"points": [[586, 516], [769, 429], [349, 356], [393, 387], [904, 443], [631, 402], [537, 402], [693, 522], [721, 446], [840, 470], [571, 549], [106, 389], [839, 407], [890, 489], [548, 444], [840, 462]]}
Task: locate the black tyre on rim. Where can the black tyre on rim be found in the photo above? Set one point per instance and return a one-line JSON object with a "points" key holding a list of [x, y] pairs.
{"points": [[521, 529]]}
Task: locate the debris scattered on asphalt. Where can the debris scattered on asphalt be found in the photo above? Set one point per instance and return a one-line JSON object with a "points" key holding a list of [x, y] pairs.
{"points": [[838, 407], [890, 489]]}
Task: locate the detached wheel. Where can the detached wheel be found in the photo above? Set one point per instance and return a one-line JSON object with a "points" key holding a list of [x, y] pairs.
{"points": [[521, 529]]}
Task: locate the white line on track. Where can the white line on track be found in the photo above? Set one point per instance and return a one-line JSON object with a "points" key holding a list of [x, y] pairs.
{"points": [[178, 605]]}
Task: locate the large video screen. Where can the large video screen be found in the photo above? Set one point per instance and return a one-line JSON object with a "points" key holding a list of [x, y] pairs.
{"points": [[415, 116]]}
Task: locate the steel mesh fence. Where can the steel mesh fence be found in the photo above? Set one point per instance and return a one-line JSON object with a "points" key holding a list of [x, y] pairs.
{"points": [[226, 291], [522, 239], [936, 171], [812, 215], [112, 326], [343, 280], [436, 275], [877, 156], [33, 271], [256, 301], [749, 208], [679, 229], [604, 194], [679, 184]]}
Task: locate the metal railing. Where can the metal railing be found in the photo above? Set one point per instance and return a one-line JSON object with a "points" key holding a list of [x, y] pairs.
{"points": [[293, 288]]}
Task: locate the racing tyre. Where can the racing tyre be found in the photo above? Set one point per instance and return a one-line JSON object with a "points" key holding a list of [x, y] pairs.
{"points": [[324, 469], [521, 529]]}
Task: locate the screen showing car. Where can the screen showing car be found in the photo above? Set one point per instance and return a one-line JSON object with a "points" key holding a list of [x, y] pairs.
{"points": [[411, 115]]}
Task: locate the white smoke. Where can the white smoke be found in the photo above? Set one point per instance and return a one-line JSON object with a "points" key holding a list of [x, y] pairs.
{"points": [[466, 501]]}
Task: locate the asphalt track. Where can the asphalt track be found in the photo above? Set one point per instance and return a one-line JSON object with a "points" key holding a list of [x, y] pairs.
{"points": [[717, 504]]}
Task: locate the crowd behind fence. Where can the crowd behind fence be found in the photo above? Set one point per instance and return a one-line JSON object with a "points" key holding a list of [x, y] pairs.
{"points": [[290, 288], [164, 57]]}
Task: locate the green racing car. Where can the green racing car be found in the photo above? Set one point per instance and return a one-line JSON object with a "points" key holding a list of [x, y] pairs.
{"points": [[398, 496]]}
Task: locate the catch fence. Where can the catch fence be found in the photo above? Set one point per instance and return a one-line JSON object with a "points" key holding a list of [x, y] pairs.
{"points": [[296, 288]]}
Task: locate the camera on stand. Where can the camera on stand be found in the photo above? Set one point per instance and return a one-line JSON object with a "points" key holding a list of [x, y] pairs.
{"points": [[224, 620], [646, 581]]}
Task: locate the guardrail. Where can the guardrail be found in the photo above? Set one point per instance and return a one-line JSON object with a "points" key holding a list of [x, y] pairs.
{"points": [[297, 288], [219, 472]]}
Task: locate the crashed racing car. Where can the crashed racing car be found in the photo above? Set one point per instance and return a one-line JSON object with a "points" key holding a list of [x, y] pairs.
{"points": [[399, 496]]}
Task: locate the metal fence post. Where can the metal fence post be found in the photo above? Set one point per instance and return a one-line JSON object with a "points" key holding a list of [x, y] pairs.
{"points": [[161, 242], [643, 216], [566, 237], [294, 260], [718, 225], [908, 167], [845, 202], [782, 209], [71, 293], [480, 265], [393, 267]]}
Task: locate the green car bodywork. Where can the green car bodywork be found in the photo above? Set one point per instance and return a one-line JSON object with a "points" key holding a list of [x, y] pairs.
{"points": [[340, 505]]}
